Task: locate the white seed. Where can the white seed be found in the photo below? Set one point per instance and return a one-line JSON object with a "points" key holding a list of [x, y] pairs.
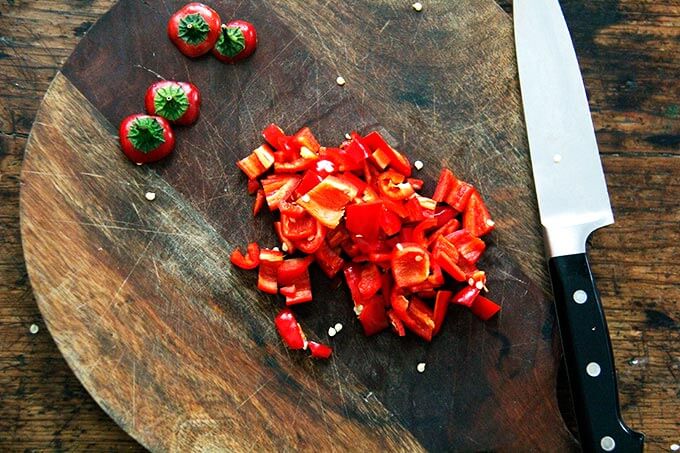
{"points": [[305, 198], [332, 332], [347, 136], [34, 329], [417, 6], [675, 447], [490, 222], [358, 309], [400, 247], [151, 196], [284, 247], [418, 164], [418, 258], [358, 236], [421, 367], [338, 327], [140, 163], [479, 285], [275, 249], [557, 158], [471, 281], [340, 80], [310, 238]]}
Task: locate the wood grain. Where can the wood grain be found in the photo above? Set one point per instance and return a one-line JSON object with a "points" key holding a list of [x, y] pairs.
{"points": [[626, 52]]}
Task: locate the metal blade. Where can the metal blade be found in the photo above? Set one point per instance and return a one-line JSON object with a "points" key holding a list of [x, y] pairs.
{"points": [[570, 185]]}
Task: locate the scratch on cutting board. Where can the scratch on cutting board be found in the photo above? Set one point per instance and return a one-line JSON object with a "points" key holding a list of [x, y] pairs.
{"points": [[255, 392], [134, 393], [139, 258]]}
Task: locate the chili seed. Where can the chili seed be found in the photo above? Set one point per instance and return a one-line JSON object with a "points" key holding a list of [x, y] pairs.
{"points": [[340, 80], [338, 327], [421, 367], [417, 6], [418, 164], [151, 196], [34, 329], [332, 332]]}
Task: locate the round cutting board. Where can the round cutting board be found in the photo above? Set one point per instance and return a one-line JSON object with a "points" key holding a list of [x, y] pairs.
{"points": [[175, 344]]}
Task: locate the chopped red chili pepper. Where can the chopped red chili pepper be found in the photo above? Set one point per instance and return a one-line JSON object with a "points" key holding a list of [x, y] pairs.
{"points": [[289, 330], [250, 261], [484, 309], [319, 351], [259, 202], [358, 202]]}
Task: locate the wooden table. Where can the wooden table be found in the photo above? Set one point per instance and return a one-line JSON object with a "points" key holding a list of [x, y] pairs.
{"points": [[629, 56]]}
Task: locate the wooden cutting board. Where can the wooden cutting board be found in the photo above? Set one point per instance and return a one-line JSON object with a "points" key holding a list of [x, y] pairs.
{"points": [[179, 347]]}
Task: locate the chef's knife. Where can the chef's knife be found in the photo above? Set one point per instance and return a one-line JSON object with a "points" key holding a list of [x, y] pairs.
{"points": [[573, 202]]}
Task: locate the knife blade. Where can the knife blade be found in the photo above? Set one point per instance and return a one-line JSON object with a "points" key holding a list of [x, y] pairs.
{"points": [[573, 202]]}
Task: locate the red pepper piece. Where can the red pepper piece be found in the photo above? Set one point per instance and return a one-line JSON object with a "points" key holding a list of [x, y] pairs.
{"points": [[253, 186], [396, 323], [443, 214], [296, 166], [453, 191], [278, 188], [354, 180], [292, 269], [312, 243], [410, 264], [436, 277], [401, 307], [319, 351], [484, 308], [443, 185], [286, 244], [469, 246], [328, 260], [394, 186], [389, 222], [259, 202], [466, 296], [396, 207], [446, 255], [415, 211], [421, 228], [273, 134], [326, 202], [370, 281], [398, 161], [352, 277], [289, 329], [361, 218], [337, 236], [292, 210], [373, 317], [477, 278], [250, 261], [379, 257], [441, 305], [298, 228], [299, 291], [270, 260], [304, 137], [417, 184], [476, 218], [309, 180], [421, 313], [257, 162], [406, 234], [449, 227], [380, 158]]}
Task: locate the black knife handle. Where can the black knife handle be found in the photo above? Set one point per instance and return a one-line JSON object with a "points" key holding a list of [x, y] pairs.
{"points": [[590, 362]]}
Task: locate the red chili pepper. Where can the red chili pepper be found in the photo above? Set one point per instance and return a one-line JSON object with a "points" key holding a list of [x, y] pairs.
{"points": [[270, 260], [289, 330], [484, 308], [397, 160], [469, 246], [476, 218], [361, 218], [402, 310], [441, 305], [421, 228], [291, 269], [257, 162], [326, 202], [177, 102], [389, 222], [237, 40], [328, 260], [370, 281], [259, 202], [194, 29], [443, 214], [312, 243], [410, 264], [253, 186], [278, 188], [373, 317], [286, 244], [393, 185], [296, 166], [319, 351], [396, 323], [298, 227], [416, 213], [337, 236], [299, 291], [250, 261], [273, 135], [466, 296], [446, 255], [146, 138]]}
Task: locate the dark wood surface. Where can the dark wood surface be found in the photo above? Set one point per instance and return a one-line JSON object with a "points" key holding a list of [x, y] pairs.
{"points": [[629, 56]]}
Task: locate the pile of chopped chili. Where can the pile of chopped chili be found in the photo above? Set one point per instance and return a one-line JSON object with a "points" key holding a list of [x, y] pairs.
{"points": [[356, 210]]}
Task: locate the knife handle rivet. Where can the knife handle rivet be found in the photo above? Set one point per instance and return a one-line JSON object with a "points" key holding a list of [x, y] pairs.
{"points": [[580, 296], [593, 369], [557, 158], [607, 443]]}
